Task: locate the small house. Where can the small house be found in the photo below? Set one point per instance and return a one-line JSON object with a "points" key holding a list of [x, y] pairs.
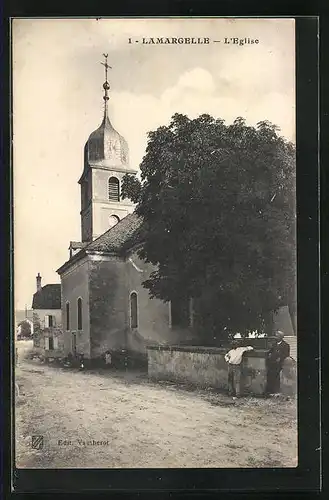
{"points": [[47, 319]]}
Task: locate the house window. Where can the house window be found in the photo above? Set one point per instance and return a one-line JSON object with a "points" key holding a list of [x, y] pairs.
{"points": [[49, 321], [79, 314], [133, 310], [50, 343], [180, 312], [114, 190], [67, 316], [55, 342]]}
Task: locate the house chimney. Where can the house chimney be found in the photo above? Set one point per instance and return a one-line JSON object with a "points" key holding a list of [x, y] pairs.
{"points": [[38, 282]]}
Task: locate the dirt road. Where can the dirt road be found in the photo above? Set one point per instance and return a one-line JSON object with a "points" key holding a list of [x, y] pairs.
{"points": [[121, 420]]}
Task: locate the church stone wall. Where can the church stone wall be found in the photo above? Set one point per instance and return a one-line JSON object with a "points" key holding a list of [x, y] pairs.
{"points": [[108, 311], [75, 285], [105, 284], [153, 314]]}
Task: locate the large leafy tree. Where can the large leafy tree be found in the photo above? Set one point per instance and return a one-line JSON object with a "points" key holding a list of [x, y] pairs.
{"points": [[218, 208], [25, 328]]}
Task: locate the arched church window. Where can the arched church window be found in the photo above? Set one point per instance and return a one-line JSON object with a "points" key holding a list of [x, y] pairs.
{"points": [[113, 220], [79, 313], [133, 310], [67, 316], [114, 189]]}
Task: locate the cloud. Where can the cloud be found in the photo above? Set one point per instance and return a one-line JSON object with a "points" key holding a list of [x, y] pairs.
{"points": [[197, 79], [195, 92]]}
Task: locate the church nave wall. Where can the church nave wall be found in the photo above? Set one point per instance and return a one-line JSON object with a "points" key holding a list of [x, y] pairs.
{"points": [[75, 286], [108, 305]]}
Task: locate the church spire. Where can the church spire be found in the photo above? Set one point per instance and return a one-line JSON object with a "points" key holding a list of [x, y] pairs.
{"points": [[106, 86], [105, 144]]}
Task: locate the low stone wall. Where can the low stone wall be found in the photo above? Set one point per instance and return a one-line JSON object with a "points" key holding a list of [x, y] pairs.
{"points": [[55, 353], [206, 367]]}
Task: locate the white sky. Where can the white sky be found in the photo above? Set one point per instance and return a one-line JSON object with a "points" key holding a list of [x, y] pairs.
{"points": [[57, 103]]}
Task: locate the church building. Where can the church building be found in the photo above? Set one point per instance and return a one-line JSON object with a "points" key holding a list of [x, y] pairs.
{"points": [[104, 305]]}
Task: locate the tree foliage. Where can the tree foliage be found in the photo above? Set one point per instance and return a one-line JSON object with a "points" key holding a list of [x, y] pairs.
{"points": [[25, 329], [218, 209]]}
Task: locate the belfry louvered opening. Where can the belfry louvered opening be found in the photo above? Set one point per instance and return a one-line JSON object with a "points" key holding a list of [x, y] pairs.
{"points": [[114, 189]]}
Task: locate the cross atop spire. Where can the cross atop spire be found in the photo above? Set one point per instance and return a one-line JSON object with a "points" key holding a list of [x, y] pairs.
{"points": [[106, 85], [106, 65]]}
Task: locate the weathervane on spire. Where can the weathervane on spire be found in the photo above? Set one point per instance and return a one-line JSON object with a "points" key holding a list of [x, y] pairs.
{"points": [[106, 85]]}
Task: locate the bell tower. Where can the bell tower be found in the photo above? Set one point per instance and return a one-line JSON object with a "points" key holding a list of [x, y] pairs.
{"points": [[106, 161]]}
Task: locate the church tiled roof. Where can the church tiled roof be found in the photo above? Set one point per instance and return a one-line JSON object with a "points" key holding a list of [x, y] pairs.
{"points": [[118, 237], [49, 297]]}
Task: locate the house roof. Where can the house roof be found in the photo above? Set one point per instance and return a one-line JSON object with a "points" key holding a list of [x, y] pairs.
{"points": [[118, 239], [49, 297]]}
